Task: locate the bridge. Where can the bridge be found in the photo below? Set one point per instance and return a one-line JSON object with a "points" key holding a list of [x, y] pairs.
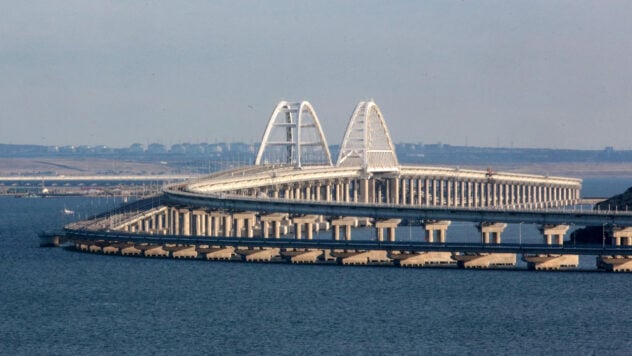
{"points": [[294, 188]]}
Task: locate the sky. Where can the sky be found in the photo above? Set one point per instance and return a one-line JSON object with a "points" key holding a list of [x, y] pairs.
{"points": [[552, 74]]}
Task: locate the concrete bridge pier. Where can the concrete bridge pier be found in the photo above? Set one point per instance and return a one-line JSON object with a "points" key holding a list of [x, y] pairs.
{"points": [[436, 228], [199, 220], [271, 219], [390, 225], [553, 235], [306, 221], [422, 259], [621, 236], [490, 233], [244, 222], [346, 223]]}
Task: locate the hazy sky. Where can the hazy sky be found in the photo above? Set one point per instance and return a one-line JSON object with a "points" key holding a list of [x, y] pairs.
{"points": [[484, 73]]}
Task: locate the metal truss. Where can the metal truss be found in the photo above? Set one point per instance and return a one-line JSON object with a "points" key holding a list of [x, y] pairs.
{"points": [[294, 137], [367, 142]]}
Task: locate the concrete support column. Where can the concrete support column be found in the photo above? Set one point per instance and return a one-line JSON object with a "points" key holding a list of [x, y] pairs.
{"points": [[622, 236], [427, 192], [490, 232], [554, 233], [265, 227], [160, 223], [403, 191], [308, 222], [228, 225], [186, 222], [244, 222], [390, 225], [364, 190], [469, 193], [432, 226], [448, 198], [419, 191], [488, 194], [346, 223], [395, 188], [197, 221], [239, 225], [530, 196], [274, 219]]}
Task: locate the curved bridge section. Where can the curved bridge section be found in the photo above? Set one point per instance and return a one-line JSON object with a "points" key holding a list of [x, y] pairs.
{"points": [[293, 198]]}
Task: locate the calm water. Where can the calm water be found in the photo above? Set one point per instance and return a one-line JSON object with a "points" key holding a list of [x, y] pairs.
{"points": [[54, 301]]}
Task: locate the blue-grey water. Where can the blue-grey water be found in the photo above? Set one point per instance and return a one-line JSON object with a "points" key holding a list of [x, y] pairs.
{"points": [[55, 301]]}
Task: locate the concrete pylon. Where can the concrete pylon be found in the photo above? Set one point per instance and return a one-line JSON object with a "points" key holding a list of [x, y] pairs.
{"points": [[274, 219], [490, 232], [307, 221], [554, 234], [432, 226], [346, 223], [622, 236], [390, 225]]}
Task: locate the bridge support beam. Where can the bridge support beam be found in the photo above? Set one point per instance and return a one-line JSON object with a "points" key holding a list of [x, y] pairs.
{"points": [[275, 220], [244, 222], [439, 227], [493, 230], [390, 225], [622, 236], [308, 222], [345, 223], [554, 234]]}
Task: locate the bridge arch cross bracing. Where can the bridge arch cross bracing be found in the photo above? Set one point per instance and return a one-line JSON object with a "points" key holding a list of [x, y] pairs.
{"points": [[367, 142], [294, 136]]}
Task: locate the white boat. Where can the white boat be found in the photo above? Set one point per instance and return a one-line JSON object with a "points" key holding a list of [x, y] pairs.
{"points": [[68, 211]]}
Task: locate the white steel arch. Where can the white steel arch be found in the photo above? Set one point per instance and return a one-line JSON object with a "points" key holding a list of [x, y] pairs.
{"points": [[367, 142], [294, 136]]}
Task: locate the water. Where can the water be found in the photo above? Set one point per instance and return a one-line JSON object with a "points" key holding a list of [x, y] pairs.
{"points": [[54, 301]]}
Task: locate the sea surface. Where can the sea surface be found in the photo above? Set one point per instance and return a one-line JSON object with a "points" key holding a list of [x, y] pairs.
{"points": [[56, 301]]}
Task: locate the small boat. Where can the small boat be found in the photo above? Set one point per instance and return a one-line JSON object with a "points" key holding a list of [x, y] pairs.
{"points": [[68, 211]]}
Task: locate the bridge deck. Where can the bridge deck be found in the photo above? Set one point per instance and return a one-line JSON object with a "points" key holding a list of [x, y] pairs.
{"points": [[395, 211], [351, 245]]}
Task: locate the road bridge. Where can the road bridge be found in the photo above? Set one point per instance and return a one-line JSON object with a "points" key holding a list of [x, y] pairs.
{"points": [[295, 189]]}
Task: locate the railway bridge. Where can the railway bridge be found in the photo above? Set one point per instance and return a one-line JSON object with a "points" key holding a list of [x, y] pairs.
{"points": [[295, 190]]}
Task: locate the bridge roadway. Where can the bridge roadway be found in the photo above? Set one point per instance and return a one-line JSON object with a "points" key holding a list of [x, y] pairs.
{"points": [[366, 245], [394, 211]]}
